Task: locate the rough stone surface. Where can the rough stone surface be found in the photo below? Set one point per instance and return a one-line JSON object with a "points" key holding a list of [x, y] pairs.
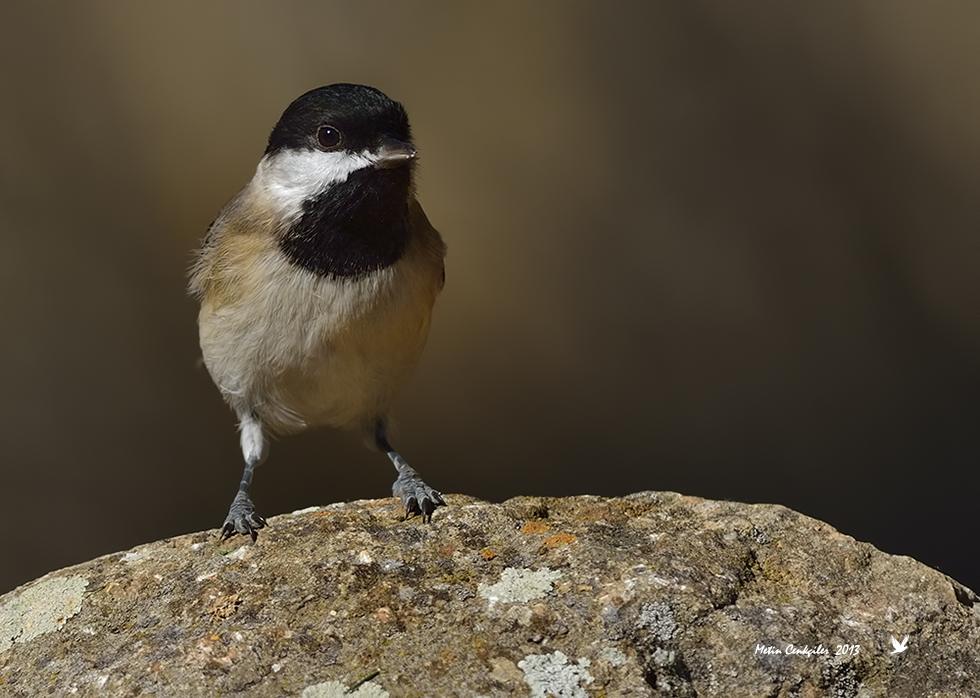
{"points": [[650, 594]]}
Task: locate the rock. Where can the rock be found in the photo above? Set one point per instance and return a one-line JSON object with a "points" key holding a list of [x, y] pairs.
{"points": [[650, 594]]}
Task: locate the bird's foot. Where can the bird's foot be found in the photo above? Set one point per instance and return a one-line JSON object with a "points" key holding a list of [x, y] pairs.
{"points": [[417, 497], [242, 519]]}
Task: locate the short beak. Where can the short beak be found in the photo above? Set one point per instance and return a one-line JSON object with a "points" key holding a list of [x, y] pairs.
{"points": [[394, 153]]}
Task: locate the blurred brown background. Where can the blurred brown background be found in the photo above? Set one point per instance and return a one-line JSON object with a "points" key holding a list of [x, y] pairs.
{"points": [[726, 249]]}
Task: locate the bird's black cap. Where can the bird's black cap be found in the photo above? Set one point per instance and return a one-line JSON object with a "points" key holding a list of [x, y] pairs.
{"points": [[364, 115]]}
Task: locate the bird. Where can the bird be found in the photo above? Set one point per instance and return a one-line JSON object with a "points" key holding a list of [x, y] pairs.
{"points": [[899, 646], [316, 284]]}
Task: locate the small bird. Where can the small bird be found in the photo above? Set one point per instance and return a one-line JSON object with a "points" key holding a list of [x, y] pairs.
{"points": [[317, 281]]}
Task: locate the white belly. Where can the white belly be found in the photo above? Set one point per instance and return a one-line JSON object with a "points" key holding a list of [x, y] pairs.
{"points": [[297, 350]]}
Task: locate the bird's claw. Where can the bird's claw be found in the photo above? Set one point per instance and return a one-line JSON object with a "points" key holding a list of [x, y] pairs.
{"points": [[242, 519], [416, 496]]}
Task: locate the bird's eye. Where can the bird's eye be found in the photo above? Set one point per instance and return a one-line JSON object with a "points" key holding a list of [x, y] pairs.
{"points": [[328, 137]]}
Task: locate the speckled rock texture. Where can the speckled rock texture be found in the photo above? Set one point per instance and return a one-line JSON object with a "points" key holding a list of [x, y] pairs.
{"points": [[654, 594]]}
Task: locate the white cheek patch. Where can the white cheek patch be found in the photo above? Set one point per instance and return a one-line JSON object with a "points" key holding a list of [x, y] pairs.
{"points": [[291, 177]]}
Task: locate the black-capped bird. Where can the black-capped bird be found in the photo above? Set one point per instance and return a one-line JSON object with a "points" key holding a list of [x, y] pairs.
{"points": [[317, 281]]}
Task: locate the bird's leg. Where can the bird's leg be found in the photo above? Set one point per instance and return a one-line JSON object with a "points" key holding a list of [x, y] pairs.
{"points": [[417, 497], [241, 516]]}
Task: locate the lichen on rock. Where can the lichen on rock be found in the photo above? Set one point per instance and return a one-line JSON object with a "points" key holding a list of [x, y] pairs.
{"points": [[39, 608], [650, 594]]}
